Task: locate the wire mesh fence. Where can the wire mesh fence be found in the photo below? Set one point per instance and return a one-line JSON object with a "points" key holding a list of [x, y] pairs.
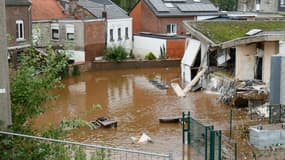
{"points": [[66, 150], [276, 113], [209, 143]]}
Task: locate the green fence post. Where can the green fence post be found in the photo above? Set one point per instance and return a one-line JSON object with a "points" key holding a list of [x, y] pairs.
{"points": [[231, 123], [220, 144], [212, 145], [206, 143], [236, 155], [183, 129], [188, 129]]}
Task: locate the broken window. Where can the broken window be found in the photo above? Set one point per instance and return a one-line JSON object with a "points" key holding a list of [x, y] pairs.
{"points": [[19, 30], [55, 31]]}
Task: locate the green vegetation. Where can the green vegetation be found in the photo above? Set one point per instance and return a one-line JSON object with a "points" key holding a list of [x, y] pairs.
{"points": [[162, 53], [116, 54], [224, 31], [150, 56], [29, 91], [127, 5]]}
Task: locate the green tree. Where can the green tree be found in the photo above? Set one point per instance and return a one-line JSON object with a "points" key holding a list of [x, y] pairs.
{"points": [[226, 5]]}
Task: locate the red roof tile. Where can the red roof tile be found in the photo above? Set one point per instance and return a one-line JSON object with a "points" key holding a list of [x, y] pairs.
{"points": [[47, 9]]}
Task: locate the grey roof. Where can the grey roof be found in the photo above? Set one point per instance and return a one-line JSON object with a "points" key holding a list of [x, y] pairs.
{"points": [[182, 8], [17, 2], [96, 7]]}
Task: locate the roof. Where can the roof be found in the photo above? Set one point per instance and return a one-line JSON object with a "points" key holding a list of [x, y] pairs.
{"points": [[230, 33], [96, 7], [160, 36], [222, 31], [46, 10], [182, 8], [18, 2]]}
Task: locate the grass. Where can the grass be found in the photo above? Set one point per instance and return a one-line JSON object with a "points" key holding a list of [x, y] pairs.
{"points": [[224, 31]]}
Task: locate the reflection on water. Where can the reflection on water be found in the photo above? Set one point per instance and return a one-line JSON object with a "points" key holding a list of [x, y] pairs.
{"points": [[128, 97]]}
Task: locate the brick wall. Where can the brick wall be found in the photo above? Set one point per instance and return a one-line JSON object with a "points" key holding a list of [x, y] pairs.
{"points": [[175, 48], [144, 20], [14, 13], [94, 39]]}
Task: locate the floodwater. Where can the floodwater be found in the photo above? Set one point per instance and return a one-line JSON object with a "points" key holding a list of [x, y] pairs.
{"points": [[128, 97]]}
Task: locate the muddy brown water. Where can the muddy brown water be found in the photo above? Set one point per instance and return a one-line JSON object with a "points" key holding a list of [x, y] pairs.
{"points": [[128, 97]]}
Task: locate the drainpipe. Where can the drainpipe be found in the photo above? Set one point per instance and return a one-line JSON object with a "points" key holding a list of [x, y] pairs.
{"points": [[104, 15], [30, 24]]}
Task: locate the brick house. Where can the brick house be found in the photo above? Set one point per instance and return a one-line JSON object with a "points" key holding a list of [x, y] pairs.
{"points": [[166, 16], [82, 37], [18, 14]]}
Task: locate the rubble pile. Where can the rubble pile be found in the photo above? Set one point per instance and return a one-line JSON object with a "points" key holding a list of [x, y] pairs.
{"points": [[251, 90]]}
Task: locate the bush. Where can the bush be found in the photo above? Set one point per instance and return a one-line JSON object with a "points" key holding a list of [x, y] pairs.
{"points": [[150, 56], [116, 54]]}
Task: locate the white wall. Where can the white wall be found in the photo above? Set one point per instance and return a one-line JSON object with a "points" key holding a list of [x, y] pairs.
{"points": [[144, 45], [245, 62], [77, 56], [269, 50], [120, 23]]}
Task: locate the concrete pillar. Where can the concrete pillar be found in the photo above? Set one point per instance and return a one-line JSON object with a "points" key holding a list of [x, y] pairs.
{"points": [[5, 104], [282, 48]]}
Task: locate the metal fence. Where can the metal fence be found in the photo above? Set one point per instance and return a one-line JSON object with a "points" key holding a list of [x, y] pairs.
{"points": [[91, 151], [209, 143], [276, 113]]}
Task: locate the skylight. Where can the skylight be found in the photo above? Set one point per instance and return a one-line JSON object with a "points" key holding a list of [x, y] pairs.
{"points": [[169, 5]]}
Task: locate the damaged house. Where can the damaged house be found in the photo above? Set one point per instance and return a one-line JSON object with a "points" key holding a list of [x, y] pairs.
{"points": [[236, 56]]}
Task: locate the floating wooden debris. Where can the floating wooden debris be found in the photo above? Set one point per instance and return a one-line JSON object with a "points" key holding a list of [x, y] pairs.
{"points": [[104, 122], [159, 84], [176, 119]]}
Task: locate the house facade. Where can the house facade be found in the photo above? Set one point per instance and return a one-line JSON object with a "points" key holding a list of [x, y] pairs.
{"points": [[18, 13], [267, 6], [118, 24], [82, 39], [166, 16]]}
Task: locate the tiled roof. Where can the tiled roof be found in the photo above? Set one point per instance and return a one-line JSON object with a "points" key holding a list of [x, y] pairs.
{"points": [[168, 8], [47, 9], [96, 7], [17, 2]]}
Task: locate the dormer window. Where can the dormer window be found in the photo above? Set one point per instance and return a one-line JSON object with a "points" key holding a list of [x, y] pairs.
{"points": [[19, 30]]}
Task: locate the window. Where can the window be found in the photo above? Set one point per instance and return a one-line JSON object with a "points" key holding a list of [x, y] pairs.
{"points": [[171, 28], [69, 31], [282, 2], [126, 33], [111, 35], [55, 31], [119, 34], [19, 30]]}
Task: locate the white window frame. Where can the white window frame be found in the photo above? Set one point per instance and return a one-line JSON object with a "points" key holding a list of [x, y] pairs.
{"points": [[111, 31], [119, 34], [70, 31], [282, 3], [127, 33], [55, 26], [171, 28], [20, 34]]}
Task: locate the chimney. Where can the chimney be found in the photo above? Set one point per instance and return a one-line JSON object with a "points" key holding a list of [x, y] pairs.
{"points": [[72, 7], [104, 14]]}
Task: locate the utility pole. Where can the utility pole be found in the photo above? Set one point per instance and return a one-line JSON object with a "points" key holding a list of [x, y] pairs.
{"points": [[5, 102]]}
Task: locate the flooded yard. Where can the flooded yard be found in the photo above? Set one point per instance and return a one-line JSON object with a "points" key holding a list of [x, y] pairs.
{"points": [[128, 97]]}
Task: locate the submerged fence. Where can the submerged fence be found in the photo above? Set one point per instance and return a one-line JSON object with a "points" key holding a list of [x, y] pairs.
{"points": [[76, 150], [276, 113], [210, 143]]}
